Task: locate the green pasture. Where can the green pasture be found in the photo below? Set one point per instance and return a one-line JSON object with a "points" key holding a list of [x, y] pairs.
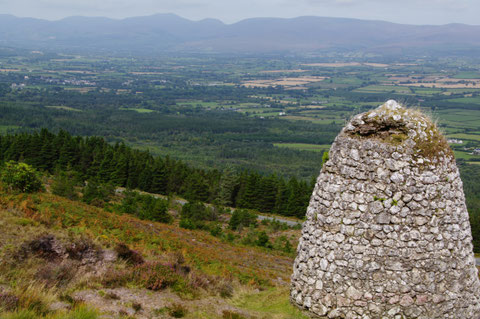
{"points": [[304, 147], [384, 89], [464, 136], [458, 118], [63, 107], [139, 110], [347, 80], [467, 75], [268, 114], [6, 128], [424, 91], [465, 155], [200, 104], [466, 100], [271, 303], [314, 120]]}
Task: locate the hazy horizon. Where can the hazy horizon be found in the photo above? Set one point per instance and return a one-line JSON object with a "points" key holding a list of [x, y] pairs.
{"points": [[429, 12]]}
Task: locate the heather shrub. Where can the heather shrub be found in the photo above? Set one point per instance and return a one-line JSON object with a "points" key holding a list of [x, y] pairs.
{"points": [[8, 301], [44, 246], [225, 289], [56, 275], [82, 248], [177, 310], [151, 275], [227, 314], [130, 256], [156, 276]]}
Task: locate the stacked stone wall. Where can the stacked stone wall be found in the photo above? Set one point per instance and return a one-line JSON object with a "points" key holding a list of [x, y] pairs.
{"points": [[387, 233]]}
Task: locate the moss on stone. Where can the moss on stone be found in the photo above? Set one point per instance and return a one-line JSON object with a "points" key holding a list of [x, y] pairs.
{"points": [[394, 124]]}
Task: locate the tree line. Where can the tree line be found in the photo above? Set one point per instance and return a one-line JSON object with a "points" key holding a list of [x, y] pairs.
{"points": [[95, 160]]}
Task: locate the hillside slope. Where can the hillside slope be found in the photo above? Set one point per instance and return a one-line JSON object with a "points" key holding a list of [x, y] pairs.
{"points": [[65, 259]]}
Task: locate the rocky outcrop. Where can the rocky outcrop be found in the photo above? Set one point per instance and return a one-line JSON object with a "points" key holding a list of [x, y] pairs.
{"points": [[387, 233]]}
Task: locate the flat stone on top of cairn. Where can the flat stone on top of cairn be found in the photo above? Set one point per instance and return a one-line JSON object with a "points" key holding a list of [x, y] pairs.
{"points": [[387, 233]]}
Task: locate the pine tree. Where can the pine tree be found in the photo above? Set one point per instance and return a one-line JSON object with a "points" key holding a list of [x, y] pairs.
{"points": [[145, 179], [68, 153], [228, 182], [120, 174], [281, 198], [159, 179], [106, 169], [267, 194], [196, 188], [248, 198]]}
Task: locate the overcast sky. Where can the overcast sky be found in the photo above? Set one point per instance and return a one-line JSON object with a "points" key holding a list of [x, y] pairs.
{"points": [[229, 11]]}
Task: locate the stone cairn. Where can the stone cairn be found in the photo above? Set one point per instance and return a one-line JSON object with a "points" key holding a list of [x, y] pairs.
{"points": [[387, 233]]}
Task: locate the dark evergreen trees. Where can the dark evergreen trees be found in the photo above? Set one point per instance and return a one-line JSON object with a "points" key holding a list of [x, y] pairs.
{"points": [[100, 163]]}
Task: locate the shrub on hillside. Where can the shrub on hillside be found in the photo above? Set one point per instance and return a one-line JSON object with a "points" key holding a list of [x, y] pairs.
{"points": [[97, 194], [21, 177], [188, 224], [83, 249], [131, 256], [150, 275], [216, 230], [263, 240], [54, 274], [8, 301], [197, 211], [64, 185], [145, 207], [177, 310], [225, 289], [242, 218], [283, 243], [227, 314], [44, 246], [194, 215], [155, 209]]}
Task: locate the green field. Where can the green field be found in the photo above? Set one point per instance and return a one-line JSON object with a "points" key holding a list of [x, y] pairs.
{"points": [[268, 114], [138, 110], [304, 147], [464, 136], [425, 91], [464, 155], [467, 75], [466, 100], [63, 107], [459, 118], [6, 128], [200, 104], [384, 89]]}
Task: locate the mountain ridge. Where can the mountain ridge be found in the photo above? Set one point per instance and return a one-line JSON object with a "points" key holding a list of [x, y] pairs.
{"points": [[170, 33]]}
